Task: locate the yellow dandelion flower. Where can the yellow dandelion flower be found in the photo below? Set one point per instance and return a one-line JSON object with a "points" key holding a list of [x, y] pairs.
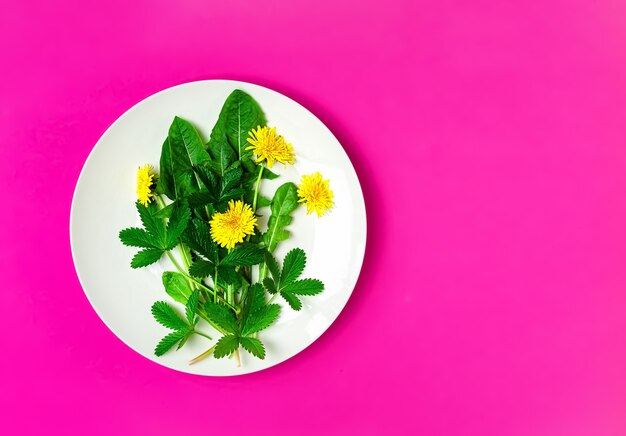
{"points": [[270, 146], [230, 227], [145, 182], [315, 192]]}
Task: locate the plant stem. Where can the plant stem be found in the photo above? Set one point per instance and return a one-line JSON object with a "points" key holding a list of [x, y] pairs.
{"points": [[237, 359], [207, 353], [200, 284], [202, 334], [256, 188]]}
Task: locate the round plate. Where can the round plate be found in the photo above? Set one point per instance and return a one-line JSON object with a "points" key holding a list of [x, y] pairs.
{"points": [[104, 200]]}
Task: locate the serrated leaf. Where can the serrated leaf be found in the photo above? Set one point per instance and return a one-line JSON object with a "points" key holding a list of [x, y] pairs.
{"points": [[253, 346], [269, 284], [202, 268], [192, 306], [272, 265], [146, 257], [285, 201], [169, 341], [293, 265], [221, 316], [256, 296], [177, 224], [260, 319], [136, 237], [198, 238], [293, 301], [167, 316], [304, 287], [245, 254], [225, 346], [229, 275], [151, 223], [177, 286]]}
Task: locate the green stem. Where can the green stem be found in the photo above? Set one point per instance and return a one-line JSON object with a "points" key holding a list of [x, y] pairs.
{"points": [[202, 334], [272, 299], [207, 353], [256, 188], [200, 284]]}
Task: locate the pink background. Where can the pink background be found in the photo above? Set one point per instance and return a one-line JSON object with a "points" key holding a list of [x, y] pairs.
{"points": [[489, 138]]}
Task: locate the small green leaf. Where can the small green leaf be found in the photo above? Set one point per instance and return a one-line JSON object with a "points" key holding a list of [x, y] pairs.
{"points": [[166, 316], [269, 285], [244, 254], [152, 224], [146, 257], [177, 224], [272, 265], [293, 301], [135, 237], [253, 346], [169, 341], [226, 346], [256, 297], [198, 238], [260, 319], [229, 275], [221, 316], [304, 287], [201, 269], [192, 306], [177, 286], [293, 265], [285, 201]]}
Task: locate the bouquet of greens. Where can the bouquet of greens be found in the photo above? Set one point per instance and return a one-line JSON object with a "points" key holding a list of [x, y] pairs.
{"points": [[204, 202]]}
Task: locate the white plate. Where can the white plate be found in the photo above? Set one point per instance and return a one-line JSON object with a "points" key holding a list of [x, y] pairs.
{"points": [[104, 200]]}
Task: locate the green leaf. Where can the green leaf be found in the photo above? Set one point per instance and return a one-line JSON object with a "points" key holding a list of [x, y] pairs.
{"points": [[135, 237], [198, 238], [253, 346], [238, 116], [244, 254], [285, 201], [225, 346], [152, 223], [201, 269], [146, 257], [272, 265], [166, 316], [177, 286], [269, 285], [229, 275], [293, 265], [221, 316], [166, 212], [293, 301], [177, 224], [256, 297], [169, 341], [260, 319], [192, 306], [182, 149], [304, 287]]}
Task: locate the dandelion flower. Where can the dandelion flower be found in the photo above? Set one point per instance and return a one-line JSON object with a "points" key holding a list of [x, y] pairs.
{"points": [[145, 182], [270, 146], [315, 193], [230, 227]]}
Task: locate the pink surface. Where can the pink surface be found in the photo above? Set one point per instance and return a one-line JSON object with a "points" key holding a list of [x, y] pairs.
{"points": [[490, 142]]}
